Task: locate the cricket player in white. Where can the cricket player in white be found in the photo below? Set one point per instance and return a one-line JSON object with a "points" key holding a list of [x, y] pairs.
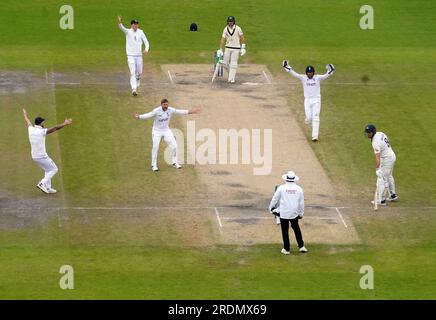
{"points": [[288, 201], [312, 94], [384, 164], [134, 39], [162, 116], [37, 134], [234, 42]]}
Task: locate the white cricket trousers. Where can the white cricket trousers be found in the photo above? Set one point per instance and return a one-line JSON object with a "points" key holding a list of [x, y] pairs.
{"points": [[49, 167], [230, 61], [387, 182], [312, 109], [169, 139], [135, 67]]}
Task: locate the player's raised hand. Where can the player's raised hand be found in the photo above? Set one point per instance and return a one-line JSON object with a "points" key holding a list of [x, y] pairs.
{"points": [[330, 68], [119, 18], [24, 112], [195, 110], [67, 122], [285, 64], [136, 115]]}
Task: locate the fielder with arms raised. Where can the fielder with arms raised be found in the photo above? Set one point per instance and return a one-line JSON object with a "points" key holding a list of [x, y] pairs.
{"points": [[312, 93], [37, 134], [384, 164], [162, 116], [234, 42], [134, 39]]}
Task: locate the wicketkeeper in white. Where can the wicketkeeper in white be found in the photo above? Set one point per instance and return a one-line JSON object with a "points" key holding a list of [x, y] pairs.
{"points": [[162, 116], [37, 134], [234, 42], [312, 94], [134, 39], [384, 164]]}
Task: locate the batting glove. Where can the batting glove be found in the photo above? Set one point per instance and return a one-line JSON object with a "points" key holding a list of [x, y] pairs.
{"points": [[379, 173], [243, 50], [220, 53]]}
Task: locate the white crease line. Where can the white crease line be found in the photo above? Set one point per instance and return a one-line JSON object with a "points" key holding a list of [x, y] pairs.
{"points": [[169, 75], [342, 218], [268, 218], [267, 79], [219, 219]]}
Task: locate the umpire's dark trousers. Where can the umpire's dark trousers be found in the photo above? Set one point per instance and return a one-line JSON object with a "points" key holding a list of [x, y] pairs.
{"points": [[284, 223]]}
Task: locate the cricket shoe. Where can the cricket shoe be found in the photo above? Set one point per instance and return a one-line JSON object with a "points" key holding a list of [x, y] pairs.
{"points": [[381, 203], [177, 166], [155, 169], [393, 197], [285, 252], [231, 81], [51, 190], [304, 250], [134, 93], [42, 187], [315, 139]]}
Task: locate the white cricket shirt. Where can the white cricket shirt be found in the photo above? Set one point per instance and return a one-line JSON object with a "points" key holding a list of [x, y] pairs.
{"points": [[134, 40], [232, 36], [37, 136], [161, 117], [290, 198], [312, 87], [380, 144]]}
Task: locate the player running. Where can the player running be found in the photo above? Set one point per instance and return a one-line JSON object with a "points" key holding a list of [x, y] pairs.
{"points": [[234, 42], [134, 39], [162, 116], [384, 164], [37, 134], [312, 94]]}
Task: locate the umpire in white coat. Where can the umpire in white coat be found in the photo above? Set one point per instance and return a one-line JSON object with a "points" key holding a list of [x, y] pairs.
{"points": [[289, 198]]}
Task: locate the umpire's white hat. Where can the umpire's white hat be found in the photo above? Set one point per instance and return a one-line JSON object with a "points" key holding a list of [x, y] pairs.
{"points": [[290, 177]]}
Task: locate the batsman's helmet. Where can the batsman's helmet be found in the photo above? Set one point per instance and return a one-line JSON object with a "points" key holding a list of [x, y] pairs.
{"points": [[310, 69], [370, 128], [231, 19], [134, 21]]}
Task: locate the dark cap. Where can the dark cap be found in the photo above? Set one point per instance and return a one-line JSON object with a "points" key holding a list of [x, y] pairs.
{"points": [[134, 21], [39, 120], [370, 128], [231, 19], [310, 69]]}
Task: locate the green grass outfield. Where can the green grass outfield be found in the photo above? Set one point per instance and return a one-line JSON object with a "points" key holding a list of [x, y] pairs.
{"points": [[105, 150]]}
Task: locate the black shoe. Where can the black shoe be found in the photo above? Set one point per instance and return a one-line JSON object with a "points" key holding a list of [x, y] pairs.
{"points": [[393, 197]]}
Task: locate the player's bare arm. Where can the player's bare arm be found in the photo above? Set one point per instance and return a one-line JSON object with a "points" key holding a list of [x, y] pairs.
{"points": [[195, 110], [26, 118], [67, 122]]}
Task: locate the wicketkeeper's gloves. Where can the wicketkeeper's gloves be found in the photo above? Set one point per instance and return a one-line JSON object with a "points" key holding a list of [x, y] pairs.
{"points": [[285, 64], [330, 68]]}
